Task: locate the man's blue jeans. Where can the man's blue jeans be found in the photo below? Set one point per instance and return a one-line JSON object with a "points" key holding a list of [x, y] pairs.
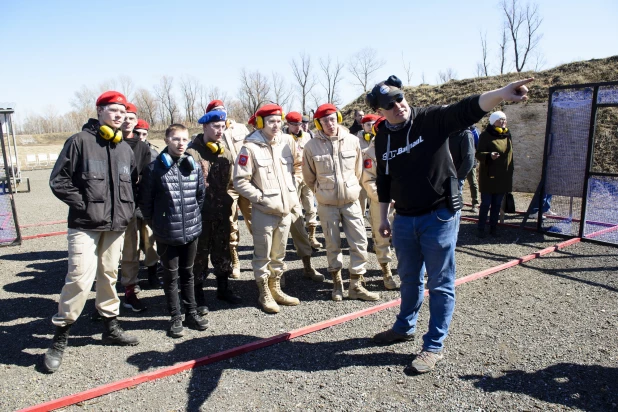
{"points": [[428, 240]]}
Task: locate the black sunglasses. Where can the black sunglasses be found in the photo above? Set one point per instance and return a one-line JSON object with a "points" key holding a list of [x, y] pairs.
{"points": [[398, 98]]}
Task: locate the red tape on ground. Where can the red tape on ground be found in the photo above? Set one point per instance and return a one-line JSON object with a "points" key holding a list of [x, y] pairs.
{"points": [[44, 235], [53, 222], [262, 343]]}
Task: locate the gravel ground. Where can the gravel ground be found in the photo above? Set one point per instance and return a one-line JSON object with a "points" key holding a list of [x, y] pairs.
{"points": [[538, 336]]}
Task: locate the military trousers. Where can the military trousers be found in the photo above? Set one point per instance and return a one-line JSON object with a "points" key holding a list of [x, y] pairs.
{"points": [[245, 208], [299, 234], [382, 245], [353, 223], [307, 201], [214, 242], [270, 237]]}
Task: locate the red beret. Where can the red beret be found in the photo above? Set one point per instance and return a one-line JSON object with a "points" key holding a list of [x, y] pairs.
{"points": [[214, 104], [377, 123], [269, 110], [131, 108], [324, 110], [142, 124], [112, 97], [294, 117], [252, 120], [369, 118]]}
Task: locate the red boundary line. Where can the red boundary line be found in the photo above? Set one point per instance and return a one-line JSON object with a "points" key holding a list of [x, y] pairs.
{"points": [[262, 343], [53, 222], [44, 235]]}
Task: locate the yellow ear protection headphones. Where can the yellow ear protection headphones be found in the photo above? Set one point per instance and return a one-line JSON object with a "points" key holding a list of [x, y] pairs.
{"points": [[215, 147], [185, 161], [108, 133], [368, 135], [318, 125], [227, 124], [259, 121], [501, 130]]}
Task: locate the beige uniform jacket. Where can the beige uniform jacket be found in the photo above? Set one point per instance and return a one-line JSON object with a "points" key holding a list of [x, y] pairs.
{"points": [[369, 172], [264, 174], [332, 167], [298, 147], [364, 144], [234, 137]]}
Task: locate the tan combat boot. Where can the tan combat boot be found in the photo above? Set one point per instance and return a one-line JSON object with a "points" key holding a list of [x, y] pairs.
{"points": [[235, 264], [357, 291], [389, 282], [274, 284], [266, 299], [337, 286], [310, 272], [312, 239]]}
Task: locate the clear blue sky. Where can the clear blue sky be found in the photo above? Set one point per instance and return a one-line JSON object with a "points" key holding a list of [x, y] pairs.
{"points": [[51, 48]]}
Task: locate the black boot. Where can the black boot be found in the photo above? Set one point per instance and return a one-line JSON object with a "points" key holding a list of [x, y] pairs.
{"points": [[153, 279], [115, 335], [493, 231], [225, 293], [53, 357], [195, 321], [480, 233], [200, 299]]}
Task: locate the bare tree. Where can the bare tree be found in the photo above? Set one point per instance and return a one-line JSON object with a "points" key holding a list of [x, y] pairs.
{"points": [[190, 87], [446, 76], [304, 77], [363, 64], [332, 76], [483, 67], [254, 90], [503, 48], [126, 85], [281, 93], [147, 106], [165, 96], [208, 94], [539, 61], [407, 67], [84, 101], [523, 23], [423, 78]]}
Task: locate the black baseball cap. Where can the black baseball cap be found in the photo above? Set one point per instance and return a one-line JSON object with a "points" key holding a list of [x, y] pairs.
{"points": [[384, 94]]}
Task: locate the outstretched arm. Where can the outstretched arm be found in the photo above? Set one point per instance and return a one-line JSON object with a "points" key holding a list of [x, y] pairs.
{"points": [[512, 92]]}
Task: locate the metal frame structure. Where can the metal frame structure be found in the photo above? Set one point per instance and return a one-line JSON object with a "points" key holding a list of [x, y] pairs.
{"points": [[589, 158], [12, 172]]}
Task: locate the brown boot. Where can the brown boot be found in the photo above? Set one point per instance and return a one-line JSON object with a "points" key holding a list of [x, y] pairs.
{"points": [[310, 272], [337, 286], [274, 284], [235, 264], [357, 291], [266, 299], [389, 282], [312, 239]]}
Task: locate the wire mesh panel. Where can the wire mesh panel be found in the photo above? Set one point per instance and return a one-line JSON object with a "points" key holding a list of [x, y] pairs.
{"points": [[8, 232], [566, 156]]}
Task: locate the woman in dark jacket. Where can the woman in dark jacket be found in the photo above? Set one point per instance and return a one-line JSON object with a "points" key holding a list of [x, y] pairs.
{"points": [[171, 199], [495, 156]]}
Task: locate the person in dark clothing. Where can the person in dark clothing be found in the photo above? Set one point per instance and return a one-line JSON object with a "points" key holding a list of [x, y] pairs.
{"points": [[461, 146], [416, 172], [130, 251], [94, 176], [357, 126], [171, 200], [208, 150], [471, 178], [495, 155]]}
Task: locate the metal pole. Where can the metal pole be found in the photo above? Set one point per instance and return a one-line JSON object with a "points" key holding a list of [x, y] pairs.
{"points": [[15, 146]]}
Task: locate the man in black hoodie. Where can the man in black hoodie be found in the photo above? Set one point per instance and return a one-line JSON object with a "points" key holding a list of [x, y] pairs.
{"points": [[416, 172], [94, 175]]}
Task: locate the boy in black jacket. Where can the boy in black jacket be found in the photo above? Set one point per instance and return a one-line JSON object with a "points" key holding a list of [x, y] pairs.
{"points": [[171, 199], [416, 171]]}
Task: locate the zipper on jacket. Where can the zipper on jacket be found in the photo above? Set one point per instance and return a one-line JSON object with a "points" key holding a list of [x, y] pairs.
{"points": [[280, 174], [182, 204]]}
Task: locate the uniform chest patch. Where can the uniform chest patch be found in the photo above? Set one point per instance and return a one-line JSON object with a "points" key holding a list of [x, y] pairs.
{"points": [[368, 163], [242, 160]]}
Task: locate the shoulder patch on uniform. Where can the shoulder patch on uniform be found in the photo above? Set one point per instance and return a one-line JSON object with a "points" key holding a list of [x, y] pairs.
{"points": [[242, 159], [368, 163]]}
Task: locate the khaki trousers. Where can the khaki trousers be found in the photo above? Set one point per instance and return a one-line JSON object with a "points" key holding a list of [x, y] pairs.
{"points": [[147, 243], [381, 245], [270, 237], [362, 199], [307, 200], [353, 224], [245, 209], [92, 255], [300, 235]]}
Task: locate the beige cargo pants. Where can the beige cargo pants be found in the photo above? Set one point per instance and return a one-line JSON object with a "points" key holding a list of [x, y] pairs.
{"points": [[92, 255], [270, 237], [245, 208], [131, 249], [382, 245], [299, 234], [353, 224], [307, 200]]}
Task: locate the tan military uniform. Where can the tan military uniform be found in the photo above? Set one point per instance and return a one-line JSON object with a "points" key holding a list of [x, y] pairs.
{"points": [[364, 144], [332, 166], [382, 245], [233, 138], [264, 174], [305, 194]]}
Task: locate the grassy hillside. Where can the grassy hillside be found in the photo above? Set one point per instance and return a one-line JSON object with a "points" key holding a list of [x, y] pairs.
{"points": [[596, 70]]}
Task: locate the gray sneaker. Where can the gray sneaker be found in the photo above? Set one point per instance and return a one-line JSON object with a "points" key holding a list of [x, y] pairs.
{"points": [[390, 336], [426, 361]]}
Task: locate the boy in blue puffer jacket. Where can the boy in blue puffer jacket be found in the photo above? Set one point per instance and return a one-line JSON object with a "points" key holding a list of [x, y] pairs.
{"points": [[171, 199]]}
